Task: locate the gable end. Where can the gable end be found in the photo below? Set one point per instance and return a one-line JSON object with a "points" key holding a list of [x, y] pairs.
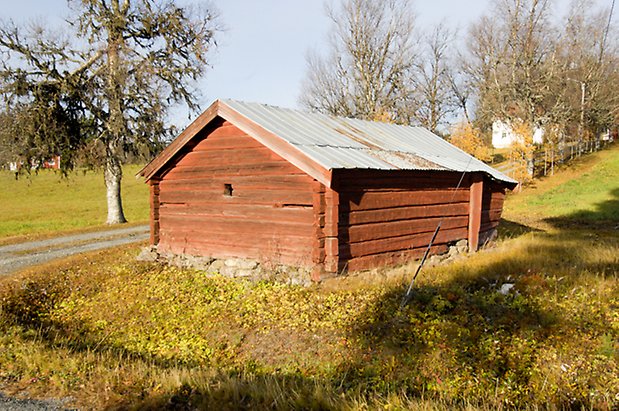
{"points": [[265, 137]]}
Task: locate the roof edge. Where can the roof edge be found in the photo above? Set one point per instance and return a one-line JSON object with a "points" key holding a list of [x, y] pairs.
{"points": [[179, 142], [269, 139], [276, 144]]}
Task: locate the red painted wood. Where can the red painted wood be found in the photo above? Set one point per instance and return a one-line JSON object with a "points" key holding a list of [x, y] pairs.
{"points": [[264, 169], [492, 204], [278, 212], [318, 222], [391, 258], [225, 144], [154, 211], [368, 232], [215, 195], [369, 200], [331, 218], [404, 213], [267, 242], [241, 212], [365, 178], [397, 185], [353, 250], [288, 182], [475, 210], [268, 216], [271, 252], [279, 146], [220, 226], [331, 213], [491, 216], [207, 117], [388, 216]]}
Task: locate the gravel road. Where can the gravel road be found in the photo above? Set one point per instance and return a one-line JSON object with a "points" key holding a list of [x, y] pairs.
{"points": [[14, 257], [19, 404]]}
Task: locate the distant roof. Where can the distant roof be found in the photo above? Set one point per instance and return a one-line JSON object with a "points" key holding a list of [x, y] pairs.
{"points": [[333, 143]]}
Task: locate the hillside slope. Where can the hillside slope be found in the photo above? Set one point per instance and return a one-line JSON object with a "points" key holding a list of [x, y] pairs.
{"points": [[530, 323], [584, 194]]}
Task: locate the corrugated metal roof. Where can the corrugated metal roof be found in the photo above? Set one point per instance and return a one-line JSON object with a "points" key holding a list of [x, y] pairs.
{"points": [[342, 143]]}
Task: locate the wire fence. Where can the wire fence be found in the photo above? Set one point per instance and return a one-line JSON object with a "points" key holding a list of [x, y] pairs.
{"points": [[546, 159]]}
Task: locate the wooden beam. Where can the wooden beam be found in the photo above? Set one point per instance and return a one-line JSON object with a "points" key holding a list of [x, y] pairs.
{"points": [[475, 205], [276, 144], [154, 211], [179, 142], [332, 207], [318, 242]]}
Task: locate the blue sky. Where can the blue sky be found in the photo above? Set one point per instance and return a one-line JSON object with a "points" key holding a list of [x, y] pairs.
{"points": [[261, 55]]}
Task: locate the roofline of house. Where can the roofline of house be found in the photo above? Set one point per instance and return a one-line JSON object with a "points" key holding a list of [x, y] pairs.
{"points": [[275, 143], [265, 137]]}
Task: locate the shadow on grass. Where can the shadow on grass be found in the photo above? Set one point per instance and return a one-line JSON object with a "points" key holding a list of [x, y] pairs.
{"points": [[513, 229], [460, 342], [483, 325], [604, 217], [480, 333], [468, 338]]}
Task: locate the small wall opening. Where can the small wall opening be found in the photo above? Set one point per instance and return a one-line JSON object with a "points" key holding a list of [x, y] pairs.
{"points": [[228, 190]]}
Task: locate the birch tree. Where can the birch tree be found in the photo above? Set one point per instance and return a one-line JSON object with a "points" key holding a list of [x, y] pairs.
{"points": [[105, 84], [433, 80], [535, 72], [589, 55], [367, 73], [510, 61]]}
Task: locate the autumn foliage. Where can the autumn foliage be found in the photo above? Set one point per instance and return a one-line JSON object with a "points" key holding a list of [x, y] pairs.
{"points": [[468, 138], [521, 152]]}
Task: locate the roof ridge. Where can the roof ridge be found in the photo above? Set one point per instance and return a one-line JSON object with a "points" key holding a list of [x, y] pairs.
{"points": [[318, 143]]}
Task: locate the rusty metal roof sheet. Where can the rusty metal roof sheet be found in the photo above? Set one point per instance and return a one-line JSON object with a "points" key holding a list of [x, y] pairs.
{"points": [[343, 143]]}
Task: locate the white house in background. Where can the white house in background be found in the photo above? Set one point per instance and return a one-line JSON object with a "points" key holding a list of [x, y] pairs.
{"points": [[53, 163], [503, 134]]}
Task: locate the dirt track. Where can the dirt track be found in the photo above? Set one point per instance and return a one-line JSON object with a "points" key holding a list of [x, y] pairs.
{"points": [[14, 257]]}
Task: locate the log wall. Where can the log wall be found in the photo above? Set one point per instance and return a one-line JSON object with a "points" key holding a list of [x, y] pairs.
{"points": [[389, 217], [226, 195], [492, 207]]}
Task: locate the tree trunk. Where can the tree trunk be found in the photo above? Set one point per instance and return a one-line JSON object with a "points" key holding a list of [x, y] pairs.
{"points": [[116, 124], [531, 165], [113, 175]]}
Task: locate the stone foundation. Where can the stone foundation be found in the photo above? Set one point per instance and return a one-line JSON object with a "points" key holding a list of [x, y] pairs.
{"points": [[231, 267], [454, 252], [488, 237], [255, 270]]}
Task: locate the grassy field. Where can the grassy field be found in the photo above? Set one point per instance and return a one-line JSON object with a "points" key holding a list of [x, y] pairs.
{"points": [[114, 333], [46, 203], [586, 194]]}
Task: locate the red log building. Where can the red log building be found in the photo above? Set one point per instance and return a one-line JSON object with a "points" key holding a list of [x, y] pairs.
{"points": [[260, 182]]}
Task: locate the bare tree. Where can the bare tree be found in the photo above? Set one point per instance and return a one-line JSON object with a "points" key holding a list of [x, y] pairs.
{"points": [[589, 54], [461, 89], [368, 72], [535, 72], [434, 79], [510, 61], [108, 82]]}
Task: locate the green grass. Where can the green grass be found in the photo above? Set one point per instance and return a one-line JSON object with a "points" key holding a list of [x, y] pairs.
{"points": [[587, 193], [45, 203], [115, 333]]}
